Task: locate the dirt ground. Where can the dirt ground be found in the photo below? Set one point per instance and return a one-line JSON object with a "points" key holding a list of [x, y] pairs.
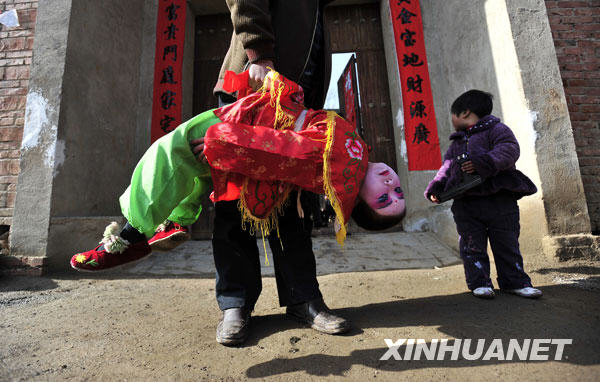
{"points": [[112, 327]]}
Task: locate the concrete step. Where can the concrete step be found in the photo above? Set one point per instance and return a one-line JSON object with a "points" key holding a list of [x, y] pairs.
{"points": [[361, 252]]}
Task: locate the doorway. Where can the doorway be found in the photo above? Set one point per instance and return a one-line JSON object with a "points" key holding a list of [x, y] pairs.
{"points": [[352, 29]]}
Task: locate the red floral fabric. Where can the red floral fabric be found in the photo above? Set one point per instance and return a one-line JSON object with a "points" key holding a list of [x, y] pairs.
{"points": [[256, 156]]}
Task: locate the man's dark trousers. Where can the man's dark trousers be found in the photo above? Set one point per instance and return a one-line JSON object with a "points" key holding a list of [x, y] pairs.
{"points": [[238, 281]]}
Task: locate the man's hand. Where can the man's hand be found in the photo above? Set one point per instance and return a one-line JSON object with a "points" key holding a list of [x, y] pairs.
{"points": [[257, 72], [198, 149], [434, 199], [468, 167]]}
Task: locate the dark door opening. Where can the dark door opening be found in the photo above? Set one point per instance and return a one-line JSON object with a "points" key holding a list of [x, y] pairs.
{"points": [[355, 28]]}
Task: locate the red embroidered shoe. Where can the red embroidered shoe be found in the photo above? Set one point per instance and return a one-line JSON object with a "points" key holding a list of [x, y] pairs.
{"points": [[115, 252], [168, 236]]}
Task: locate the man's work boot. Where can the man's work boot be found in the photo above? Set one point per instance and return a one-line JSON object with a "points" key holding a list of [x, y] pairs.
{"points": [[318, 316], [233, 327]]}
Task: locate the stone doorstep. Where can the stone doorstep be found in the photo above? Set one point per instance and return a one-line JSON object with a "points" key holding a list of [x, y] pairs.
{"points": [[21, 266], [570, 247]]}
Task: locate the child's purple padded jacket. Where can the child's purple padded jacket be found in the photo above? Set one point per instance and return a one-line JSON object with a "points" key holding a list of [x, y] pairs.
{"points": [[493, 149]]}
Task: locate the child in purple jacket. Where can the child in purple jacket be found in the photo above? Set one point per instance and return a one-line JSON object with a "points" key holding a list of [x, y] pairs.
{"points": [[488, 210]]}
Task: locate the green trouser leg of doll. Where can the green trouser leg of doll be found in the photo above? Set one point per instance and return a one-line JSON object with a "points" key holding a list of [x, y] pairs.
{"points": [[168, 181]]}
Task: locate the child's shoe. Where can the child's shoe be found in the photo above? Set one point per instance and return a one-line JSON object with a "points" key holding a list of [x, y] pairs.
{"points": [[484, 292], [113, 251], [168, 236], [527, 292]]}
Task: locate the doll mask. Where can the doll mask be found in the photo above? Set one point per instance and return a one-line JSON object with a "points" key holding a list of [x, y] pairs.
{"points": [[381, 190]]}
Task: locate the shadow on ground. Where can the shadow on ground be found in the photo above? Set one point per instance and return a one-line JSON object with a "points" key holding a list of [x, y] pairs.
{"points": [[26, 284], [559, 314], [584, 269]]}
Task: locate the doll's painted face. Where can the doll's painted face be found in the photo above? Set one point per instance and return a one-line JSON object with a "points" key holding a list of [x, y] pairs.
{"points": [[381, 190]]}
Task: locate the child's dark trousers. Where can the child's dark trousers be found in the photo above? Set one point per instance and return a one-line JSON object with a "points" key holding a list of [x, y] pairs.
{"points": [[494, 217]]}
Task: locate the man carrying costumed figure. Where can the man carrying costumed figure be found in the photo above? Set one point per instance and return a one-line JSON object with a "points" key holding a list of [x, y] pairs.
{"points": [[257, 150]]}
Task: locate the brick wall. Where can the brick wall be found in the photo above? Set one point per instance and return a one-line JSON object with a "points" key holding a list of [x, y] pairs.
{"points": [[576, 30], [15, 58]]}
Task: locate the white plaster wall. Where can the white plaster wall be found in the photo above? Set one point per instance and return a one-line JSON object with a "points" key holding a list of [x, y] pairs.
{"points": [[469, 45]]}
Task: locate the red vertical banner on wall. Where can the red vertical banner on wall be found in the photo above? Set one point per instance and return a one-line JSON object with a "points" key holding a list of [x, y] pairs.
{"points": [[348, 93], [168, 60], [420, 127]]}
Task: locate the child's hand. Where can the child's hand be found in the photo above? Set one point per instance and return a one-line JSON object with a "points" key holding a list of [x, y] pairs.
{"points": [[434, 199], [198, 149], [468, 167]]}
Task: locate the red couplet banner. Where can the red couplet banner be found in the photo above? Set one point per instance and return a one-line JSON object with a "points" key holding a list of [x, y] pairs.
{"points": [[168, 60], [349, 89], [420, 127]]}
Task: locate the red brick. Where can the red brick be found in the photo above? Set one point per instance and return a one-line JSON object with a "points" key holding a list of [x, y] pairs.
{"points": [[575, 34], [593, 134], [557, 26], [578, 116], [587, 161], [9, 167], [21, 33], [587, 27], [27, 16], [580, 142], [587, 151], [10, 199], [595, 74], [19, 54], [12, 91], [11, 134], [586, 179], [558, 42], [12, 62], [595, 108], [572, 4], [568, 74], [12, 103], [7, 121], [560, 12], [571, 90], [569, 50], [17, 72], [579, 99], [587, 11], [22, 6], [8, 179], [9, 84], [10, 154], [577, 20], [580, 126], [6, 211], [582, 66], [587, 43], [18, 43], [573, 108]]}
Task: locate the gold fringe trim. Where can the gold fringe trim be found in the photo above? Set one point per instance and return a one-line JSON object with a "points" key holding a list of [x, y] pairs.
{"points": [[263, 225], [329, 190], [283, 120]]}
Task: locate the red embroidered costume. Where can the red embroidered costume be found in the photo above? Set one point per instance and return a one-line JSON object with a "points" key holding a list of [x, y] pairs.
{"points": [[256, 156]]}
